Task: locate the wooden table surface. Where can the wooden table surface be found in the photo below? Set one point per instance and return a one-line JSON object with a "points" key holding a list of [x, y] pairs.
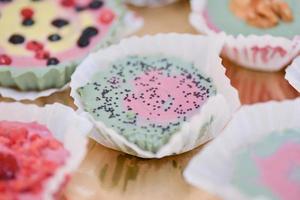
{"points": [[110, 175]]}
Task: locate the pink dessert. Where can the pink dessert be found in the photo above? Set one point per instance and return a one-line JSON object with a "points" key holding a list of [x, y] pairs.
{"points": [[29, 157]]}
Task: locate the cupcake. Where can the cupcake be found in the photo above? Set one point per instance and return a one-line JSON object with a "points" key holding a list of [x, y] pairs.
{"points": [[37, 152], [148, 98], [256, 30], [43, 41], [293, 74], [257, 155], [150, 3]]}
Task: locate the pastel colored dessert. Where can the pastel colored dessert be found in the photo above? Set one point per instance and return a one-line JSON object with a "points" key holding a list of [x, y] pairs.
{"points": [[41, 42], [146, 99], [258, 17], [29, 156], [260, 34], [270, 167]]}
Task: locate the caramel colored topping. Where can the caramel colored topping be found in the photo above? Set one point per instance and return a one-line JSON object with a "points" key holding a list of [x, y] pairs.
{"points": [[262, 13]]}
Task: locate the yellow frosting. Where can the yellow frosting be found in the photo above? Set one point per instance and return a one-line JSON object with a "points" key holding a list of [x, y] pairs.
{"points": [[44, 13]]}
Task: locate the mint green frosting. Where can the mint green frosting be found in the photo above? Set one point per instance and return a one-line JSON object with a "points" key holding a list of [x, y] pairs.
{"points": [[221, 16], [105, 101], [246, 176]]}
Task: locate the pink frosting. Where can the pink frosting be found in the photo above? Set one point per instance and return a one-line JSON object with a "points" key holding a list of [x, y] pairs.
{"points": [[160, 98], [277, 169]]}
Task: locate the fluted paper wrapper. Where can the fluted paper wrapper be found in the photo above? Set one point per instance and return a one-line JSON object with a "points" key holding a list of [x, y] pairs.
{"points": [[212, 168], [293, 74], [263, 53], [203, 52], [65, 125]]}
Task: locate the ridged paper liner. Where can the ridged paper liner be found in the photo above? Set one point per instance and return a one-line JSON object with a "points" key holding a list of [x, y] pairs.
{"points": [[204, 52], [150, 3], [65, 125], [212, 168], [48, 80], [293, 74], [264, 53]]}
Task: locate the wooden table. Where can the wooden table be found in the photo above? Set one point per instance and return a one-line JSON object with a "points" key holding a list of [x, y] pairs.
{"points": [[110, 175]]}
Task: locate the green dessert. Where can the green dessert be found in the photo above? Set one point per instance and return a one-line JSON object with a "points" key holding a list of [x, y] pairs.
{"points": [[270, 167], [146, 99]]}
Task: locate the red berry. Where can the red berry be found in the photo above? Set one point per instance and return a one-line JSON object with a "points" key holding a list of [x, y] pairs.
{"points": [[41, 54], [68, 3], [106, 16], [27, 13], [34, 46], [5, 59], [8, 167]]}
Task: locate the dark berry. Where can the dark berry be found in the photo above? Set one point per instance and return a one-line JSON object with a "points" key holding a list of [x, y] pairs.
{"points": [[54, 37], [9, 166], [95, 4], [16, 39], [80, 8], [52, 61], [83, 42], [5, 60], [59, 23], [5, 1], [27, 22], [89, 32]]}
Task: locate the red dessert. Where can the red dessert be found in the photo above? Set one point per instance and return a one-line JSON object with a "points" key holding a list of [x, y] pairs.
{"points": [[29, 157]]}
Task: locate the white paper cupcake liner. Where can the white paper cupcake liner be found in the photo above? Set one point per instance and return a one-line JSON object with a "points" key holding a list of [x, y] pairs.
{"points": [[203, 126], [212, 168], [264, 53], [65, 125], [150, 3], [293, 74], [28, 95]]}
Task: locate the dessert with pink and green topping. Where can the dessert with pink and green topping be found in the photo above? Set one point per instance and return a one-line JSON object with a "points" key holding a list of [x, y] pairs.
{"points": [[29, 157], [270, 167], [147, 99], [41, 42]]}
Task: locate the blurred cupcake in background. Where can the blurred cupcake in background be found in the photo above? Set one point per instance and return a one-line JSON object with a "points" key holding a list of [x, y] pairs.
{"points": [[261, 34], [39, 149], [42, 42], [257, 156]]}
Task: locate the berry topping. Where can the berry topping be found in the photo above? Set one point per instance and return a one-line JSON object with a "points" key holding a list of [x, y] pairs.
{"points": [[83, 42], [90, 32], [95, 4], [9, 166], [68, 3], [80, 8], [42, 54], [5, 1], [27, 13], [58, 23], [5, 59], [52, 61], [106, 16], [34, 46], [16, 39], [28, 22], [54, 37]]}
